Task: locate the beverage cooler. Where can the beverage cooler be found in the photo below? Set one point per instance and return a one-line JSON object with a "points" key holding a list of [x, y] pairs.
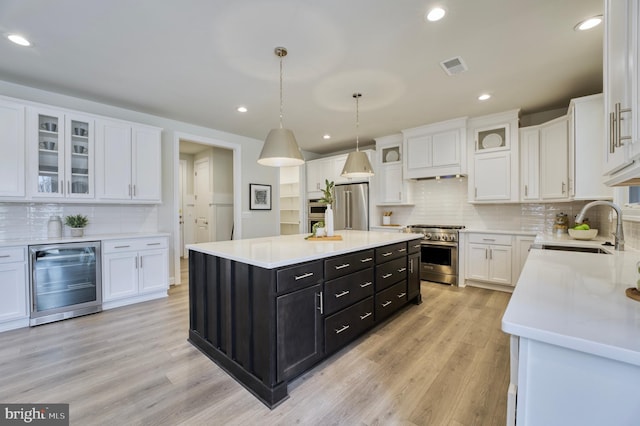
{"points": [[65, 281]]}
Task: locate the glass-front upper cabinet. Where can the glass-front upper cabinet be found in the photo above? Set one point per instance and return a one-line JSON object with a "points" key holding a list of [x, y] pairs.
{"points": [[61, 155]]}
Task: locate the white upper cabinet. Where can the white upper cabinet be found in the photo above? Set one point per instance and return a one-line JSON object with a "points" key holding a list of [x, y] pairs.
{"points": [[492, 177], [60, 148], [330, 168], [621, 86], [12, 146], [554, 160], [530, 163], [437, 149], [129, 162], [393, 189]]}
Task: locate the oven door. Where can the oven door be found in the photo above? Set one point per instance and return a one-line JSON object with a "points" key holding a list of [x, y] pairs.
{"points": [[439, 258]]}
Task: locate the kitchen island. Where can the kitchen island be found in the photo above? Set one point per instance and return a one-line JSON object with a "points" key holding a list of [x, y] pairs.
{"points": [[268, 309], [575, 344]]}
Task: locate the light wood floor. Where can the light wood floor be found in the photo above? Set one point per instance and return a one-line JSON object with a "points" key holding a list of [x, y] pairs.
{"points": [[445, 362]]}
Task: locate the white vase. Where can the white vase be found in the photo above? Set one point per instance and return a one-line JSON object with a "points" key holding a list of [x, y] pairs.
{"points": [[328, 221], [77, 232]]}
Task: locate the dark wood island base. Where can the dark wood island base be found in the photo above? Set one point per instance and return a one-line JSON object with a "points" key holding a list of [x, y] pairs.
{"points": [[265, 327]]}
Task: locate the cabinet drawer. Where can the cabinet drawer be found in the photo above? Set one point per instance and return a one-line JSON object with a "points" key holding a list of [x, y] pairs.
{"points": [[12, 254], [392, 251], [345, 291], [347, 264], [502, 239], [390, 273], [346, 325], [390, 300], [114, 246], [299, 276], [413, 246]]}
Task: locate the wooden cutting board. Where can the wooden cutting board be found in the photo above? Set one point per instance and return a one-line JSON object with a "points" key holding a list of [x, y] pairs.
{"points": [[334, 238], [633, 293]]}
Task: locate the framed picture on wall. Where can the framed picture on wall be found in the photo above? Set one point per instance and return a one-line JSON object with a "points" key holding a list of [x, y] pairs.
{"points": [[260, 197]]}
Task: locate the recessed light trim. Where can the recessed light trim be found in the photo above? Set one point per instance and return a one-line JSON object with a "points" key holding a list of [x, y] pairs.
{"points": [[484, 97], [242, 109], [19, 40], [588, 23], [435, 14], [326, 136]]}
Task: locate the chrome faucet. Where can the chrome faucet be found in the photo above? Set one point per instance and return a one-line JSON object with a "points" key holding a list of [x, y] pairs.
{"points": [[619, 234]]}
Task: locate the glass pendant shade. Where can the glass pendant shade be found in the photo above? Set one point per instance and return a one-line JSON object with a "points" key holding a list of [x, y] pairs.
{"points": [[357, 165], [280, 149]]}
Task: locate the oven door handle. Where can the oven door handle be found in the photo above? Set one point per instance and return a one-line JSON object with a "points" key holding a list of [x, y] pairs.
{"points": [[438, 244]]}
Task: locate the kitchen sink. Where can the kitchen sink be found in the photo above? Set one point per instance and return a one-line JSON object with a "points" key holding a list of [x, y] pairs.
{"points": [[574, 248]]}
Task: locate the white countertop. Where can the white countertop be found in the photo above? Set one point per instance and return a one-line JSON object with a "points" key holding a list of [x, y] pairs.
{"points": [[99, 237], [274, 252], [566, 240], [577, 301], [496, 231]]}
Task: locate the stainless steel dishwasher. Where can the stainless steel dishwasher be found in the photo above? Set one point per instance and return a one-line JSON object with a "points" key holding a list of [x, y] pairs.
{"points": [[65, 281]]}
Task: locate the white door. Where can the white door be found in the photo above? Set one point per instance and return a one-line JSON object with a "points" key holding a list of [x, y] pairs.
{"points": [[153, 270], [12, 144], [554, 160], [477, 261], [492, 176], [500, 264], [182, 187], [202, 186]]}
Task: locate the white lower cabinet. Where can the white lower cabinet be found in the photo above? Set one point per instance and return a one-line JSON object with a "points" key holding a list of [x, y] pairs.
{"points": [[134, 270], [523, 246], [489, 258], [13, 288]]}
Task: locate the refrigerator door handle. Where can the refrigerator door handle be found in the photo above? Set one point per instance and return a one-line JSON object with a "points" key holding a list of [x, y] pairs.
{"points": [[348, 218]]}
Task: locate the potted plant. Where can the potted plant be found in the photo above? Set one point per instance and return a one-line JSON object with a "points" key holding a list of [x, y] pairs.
{"points": [[76, 223]]}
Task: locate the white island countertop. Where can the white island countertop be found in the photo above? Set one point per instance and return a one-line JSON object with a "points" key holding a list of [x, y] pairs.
{"points": [[283, 250], [577, 301]]}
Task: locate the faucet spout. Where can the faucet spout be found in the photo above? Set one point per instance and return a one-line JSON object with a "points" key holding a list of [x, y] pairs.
{"points": [[619, 234]]}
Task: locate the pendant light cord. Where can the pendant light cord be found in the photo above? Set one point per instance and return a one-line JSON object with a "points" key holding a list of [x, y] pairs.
{"points": [[357, 96], [281, 56]]}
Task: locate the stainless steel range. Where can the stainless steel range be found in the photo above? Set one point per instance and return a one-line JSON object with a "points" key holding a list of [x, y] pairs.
{"points": [[438, 253]]}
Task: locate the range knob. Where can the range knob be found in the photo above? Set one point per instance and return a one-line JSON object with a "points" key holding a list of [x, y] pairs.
{"points": [[427, 236], [450, 238]]}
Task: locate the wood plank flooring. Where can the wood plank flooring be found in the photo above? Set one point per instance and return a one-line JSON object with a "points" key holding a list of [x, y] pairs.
{"points": [[445, 362]]}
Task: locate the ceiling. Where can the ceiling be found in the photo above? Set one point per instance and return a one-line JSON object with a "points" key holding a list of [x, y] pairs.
{"points": [[198, 60]]}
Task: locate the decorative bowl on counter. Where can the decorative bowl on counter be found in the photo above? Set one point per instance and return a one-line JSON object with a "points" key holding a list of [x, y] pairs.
{"points": [[583, 234]]}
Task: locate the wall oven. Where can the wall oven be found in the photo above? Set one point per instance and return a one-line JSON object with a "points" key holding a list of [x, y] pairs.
{"points": [[65, 281], [438, 253], [315, 213]]}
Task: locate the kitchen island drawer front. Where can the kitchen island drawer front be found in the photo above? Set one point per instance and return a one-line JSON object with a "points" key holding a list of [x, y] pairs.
{"points": [[390, 300], [392, 251], [390, 273], [500, 239], [12, 254], [299, 276], [345, 291], [346, 325], [346, 264], [413, 246], [134, 244]]}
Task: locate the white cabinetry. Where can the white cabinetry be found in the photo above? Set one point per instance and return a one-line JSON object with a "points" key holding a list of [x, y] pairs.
{"points": [[530, 164], [329, 168], [393, 189], [554, 160], [12, 143], [134, 270], [493, 145], [621, 89], [13, 288], [488, 258], [437, 149], [522, 247], [60, 148], [129, 161]]}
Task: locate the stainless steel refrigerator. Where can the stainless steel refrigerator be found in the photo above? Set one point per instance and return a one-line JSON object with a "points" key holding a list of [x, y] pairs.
{"points": [[351, 206]]}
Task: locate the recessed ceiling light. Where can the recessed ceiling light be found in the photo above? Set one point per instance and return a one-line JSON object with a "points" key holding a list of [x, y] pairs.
{"points": [[484, 97], [18, 39], [327, 136], [241, 109], [435, 14], [589, 23]]}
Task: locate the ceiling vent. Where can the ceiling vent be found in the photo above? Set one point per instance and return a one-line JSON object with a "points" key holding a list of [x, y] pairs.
{"points": [[454, 66]]}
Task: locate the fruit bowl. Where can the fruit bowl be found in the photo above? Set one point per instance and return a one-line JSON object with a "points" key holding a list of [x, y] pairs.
{"points": [[583, 234]]}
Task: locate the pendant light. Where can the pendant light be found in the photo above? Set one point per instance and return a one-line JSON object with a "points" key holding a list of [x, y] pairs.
{"points": [[357, 164], [280, 149]]}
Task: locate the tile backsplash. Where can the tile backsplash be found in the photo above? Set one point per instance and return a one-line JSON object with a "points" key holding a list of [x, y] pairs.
{"points": [[29, 220], [444, 202]]}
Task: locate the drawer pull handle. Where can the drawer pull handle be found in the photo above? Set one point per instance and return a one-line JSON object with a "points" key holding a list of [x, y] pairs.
{"points": [[344, 265], [367, 284], [402, 249], [417, 246], [153, 244], [368, 259], [299, 277], [387, 303], [401, 295], [5, 256], [321, 307], [367, 315], [122, 246], [402, 270], [387, 254], [488, 239], [344, 327], [386, 276], [344, 293]]}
